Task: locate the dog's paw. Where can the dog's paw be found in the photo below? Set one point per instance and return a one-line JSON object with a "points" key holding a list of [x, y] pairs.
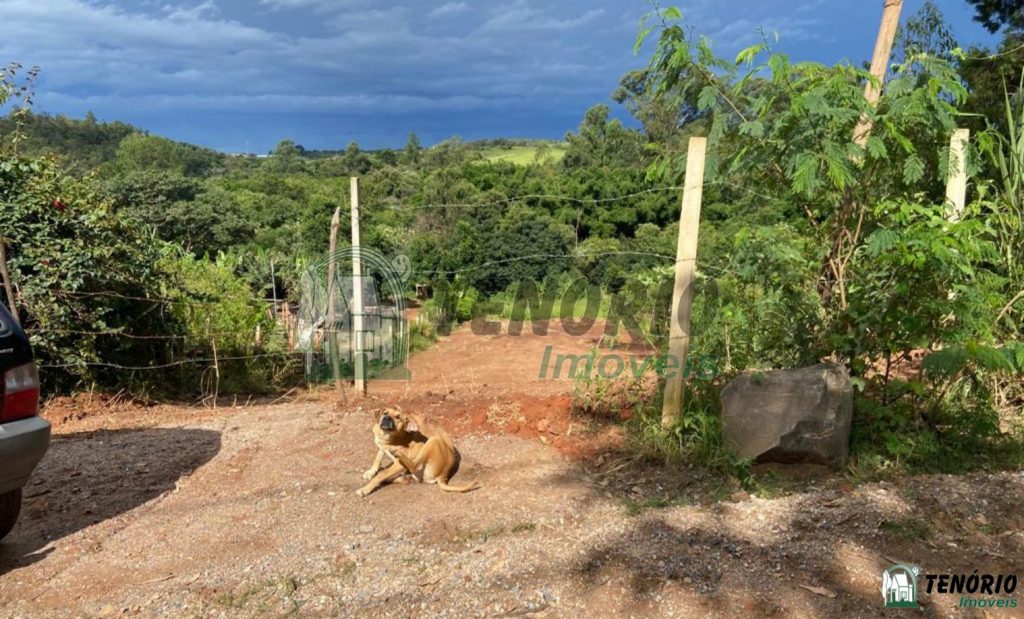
{"points": [[362, 492], [369, 474]]}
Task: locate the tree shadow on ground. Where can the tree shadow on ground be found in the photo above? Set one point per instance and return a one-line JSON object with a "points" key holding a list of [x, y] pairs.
{"points": [[840, 541], [89, 477]]}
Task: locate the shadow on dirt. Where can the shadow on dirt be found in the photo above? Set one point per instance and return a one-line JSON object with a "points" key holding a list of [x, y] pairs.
{"points": [[89, 477], [711, 563], [834, 542]]}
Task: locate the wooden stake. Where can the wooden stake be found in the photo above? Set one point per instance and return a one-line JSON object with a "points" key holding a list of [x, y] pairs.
{"points": [[216, 372], [956, 179], [273, 287], [357, 293], [330, 337], [6, 274], [686, 266], [879, 65]]}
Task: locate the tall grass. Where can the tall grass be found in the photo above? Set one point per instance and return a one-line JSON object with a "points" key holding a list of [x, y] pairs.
{"points": [[1004, 212]]}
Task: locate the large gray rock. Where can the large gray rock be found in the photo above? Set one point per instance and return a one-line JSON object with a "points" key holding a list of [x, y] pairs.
{"points": [[800, 415]]}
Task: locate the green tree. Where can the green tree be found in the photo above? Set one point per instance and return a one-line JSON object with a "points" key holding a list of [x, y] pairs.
{"points": [[926, 32], [83, 145], [77, 269], [995, 14], [143, 194], [785, 128], [663, 118], [601, 142], [139, 152], [286, 158], [356, 161], [989, 74], [412, 151]]}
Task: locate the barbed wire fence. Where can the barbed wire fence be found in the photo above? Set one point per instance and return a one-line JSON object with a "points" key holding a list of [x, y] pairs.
{"points": [[207, 341]]}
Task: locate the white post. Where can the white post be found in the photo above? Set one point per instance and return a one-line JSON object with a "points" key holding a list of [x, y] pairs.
{"points": [[956, 179], [686, 266], [357, 294]]}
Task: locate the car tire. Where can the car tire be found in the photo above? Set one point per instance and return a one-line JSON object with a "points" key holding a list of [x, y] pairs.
{"points": [[10, 507]]}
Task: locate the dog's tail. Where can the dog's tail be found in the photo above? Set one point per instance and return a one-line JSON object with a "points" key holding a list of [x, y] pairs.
{"points": [[451, 488]]}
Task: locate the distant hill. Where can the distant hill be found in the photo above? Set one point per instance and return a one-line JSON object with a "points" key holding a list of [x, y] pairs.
{"points": [[86, 144], [83, 143], [513, 150]]}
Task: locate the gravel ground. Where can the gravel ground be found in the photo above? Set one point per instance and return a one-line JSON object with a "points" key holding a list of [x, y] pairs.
{"points": [[250, 511]]}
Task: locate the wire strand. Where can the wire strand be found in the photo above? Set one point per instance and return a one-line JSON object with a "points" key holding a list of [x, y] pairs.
{"points": [[539, 196], [164, 366], [546, 256], [167, 301], [134, 336], [994, 56]]}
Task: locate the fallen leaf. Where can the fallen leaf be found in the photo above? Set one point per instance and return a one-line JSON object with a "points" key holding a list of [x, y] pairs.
{"points": [[820, 591]]}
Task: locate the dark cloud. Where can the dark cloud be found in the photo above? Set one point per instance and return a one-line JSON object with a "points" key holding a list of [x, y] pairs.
{"points": [[215, 70]]}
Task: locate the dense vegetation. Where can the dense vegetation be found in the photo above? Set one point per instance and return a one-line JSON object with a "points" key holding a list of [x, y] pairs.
{"points": [[130, 250]]}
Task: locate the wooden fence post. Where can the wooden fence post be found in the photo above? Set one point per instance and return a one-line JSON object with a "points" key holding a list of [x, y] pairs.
{"points": [[686, 266], [330, 337], [357, 293], [216, 371], [8, 286], [879, 64], [956, 176]]}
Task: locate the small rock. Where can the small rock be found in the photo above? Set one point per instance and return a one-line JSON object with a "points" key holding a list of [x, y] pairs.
{"points": [[366, 528]]}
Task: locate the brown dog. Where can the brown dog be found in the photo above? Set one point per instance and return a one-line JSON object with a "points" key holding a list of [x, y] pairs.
{"points": [[426, 452]]}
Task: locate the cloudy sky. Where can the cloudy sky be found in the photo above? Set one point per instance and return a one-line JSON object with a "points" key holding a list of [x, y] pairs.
{"points": [[238, 75]]}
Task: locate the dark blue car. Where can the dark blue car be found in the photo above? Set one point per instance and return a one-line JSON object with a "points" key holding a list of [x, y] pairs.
{"points": [[24, 435]]}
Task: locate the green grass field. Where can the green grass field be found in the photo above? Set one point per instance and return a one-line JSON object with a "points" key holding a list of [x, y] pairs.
{"points": [[524, 155]]}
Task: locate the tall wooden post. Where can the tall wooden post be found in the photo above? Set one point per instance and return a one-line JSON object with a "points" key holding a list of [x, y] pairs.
{"points": [[686, 266], [956, 177], [879, 65], [8, 286], [357, 293], [330, 335], [273, 287]]}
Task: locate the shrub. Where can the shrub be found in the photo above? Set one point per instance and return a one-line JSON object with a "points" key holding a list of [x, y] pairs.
{"points": [[422, 336]]}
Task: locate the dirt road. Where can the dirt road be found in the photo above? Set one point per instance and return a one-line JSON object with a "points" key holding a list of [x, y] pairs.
{"points": [[250, 511]]}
